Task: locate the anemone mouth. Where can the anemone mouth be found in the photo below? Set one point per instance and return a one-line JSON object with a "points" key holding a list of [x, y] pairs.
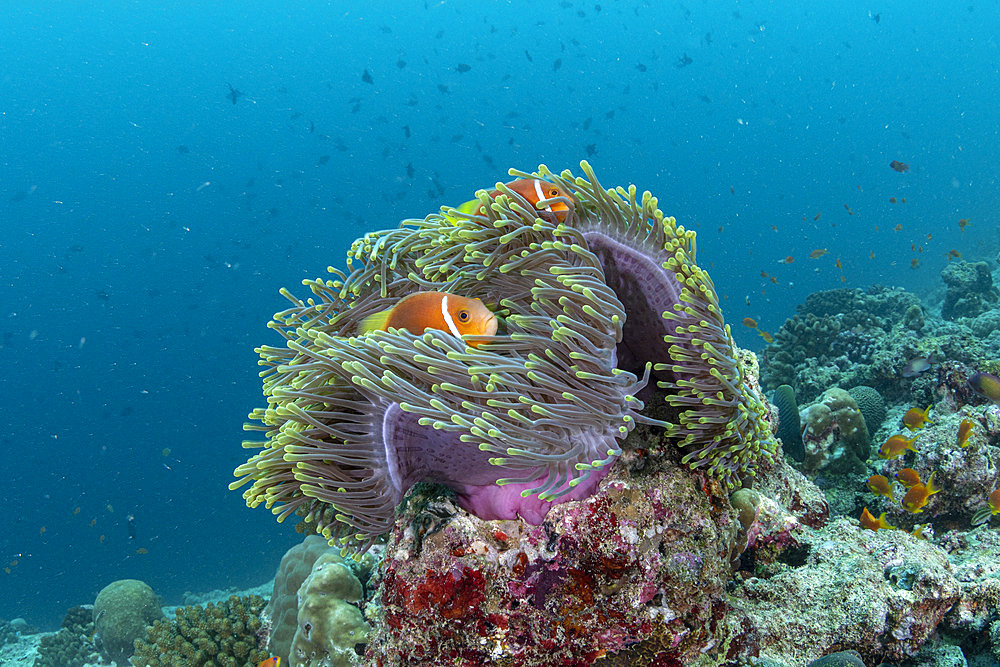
{"points": [[646, 293], [674, 322]]}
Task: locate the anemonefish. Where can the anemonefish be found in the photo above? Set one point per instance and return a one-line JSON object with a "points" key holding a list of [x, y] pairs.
{"points": [[964, 431], [534, 190], [880, 486], [908, 477], [871, 523], [420, 311], [916, 498], [915, 418], [895, 446]]}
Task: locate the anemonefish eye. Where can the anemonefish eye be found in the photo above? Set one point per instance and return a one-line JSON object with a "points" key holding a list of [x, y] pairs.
{"points": [[553, 192], [463, 316]]}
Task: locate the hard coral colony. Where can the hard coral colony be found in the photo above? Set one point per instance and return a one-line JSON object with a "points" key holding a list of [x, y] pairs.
{"points": [[591, 299]]}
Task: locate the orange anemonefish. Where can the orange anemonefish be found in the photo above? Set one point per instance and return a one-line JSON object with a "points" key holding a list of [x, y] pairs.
{"points": [[964, 431], [871, 523], [895, 446], [271, 662], [532, 189], [915, 418], [420, 311], [916, 498], [880, 486]]}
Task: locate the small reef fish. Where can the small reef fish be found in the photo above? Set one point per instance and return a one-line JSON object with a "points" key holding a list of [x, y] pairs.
{"points": [[271, 662], [420, 311], [918, 531], [895, 446], [916, 419], [964, 431], [916, 498], [908, 477], [532, 189], [880, 486], [817, 253], [963, 223], [871, 523], [992, 508], [901, 167], [915, 367], [752, 323], [986, 385]]}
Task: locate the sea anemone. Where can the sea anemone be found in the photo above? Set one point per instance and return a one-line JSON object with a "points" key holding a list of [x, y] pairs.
{"points": [[529, 417]]}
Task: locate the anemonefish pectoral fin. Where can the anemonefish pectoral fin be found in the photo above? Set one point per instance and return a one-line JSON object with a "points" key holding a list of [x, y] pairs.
{"points": [[374, 322]]}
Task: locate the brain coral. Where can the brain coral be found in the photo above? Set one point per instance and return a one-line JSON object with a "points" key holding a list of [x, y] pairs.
{"points": [[871, 405], [531, 416], [122, 611]]}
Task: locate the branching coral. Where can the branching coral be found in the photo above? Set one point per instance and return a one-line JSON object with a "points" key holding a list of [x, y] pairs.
{"points": [[591, 304], [73, 645], [219, 634]]}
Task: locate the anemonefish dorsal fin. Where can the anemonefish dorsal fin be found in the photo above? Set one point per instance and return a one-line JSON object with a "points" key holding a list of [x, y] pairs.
{"points": [[375, 322]]}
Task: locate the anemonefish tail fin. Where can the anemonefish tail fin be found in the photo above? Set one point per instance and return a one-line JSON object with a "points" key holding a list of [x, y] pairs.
{"points": [[375, 322], [469, 207]]}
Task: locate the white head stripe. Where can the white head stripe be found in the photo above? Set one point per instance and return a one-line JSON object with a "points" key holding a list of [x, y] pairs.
{"points": [[447, 317], [541, 195]]}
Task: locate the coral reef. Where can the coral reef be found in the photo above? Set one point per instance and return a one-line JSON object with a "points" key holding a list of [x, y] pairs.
{"points": [[72, 645], [849, 337], [122, 611], [835, 433], [590, 304], [839, 659], [637, 568], [283, 607], [222, 634], [330, 623], [7, 633], [970, 290], [881, 594], [837, 338]]}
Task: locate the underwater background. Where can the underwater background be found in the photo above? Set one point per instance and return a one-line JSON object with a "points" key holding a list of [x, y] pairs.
{"points": [[165, 170]]}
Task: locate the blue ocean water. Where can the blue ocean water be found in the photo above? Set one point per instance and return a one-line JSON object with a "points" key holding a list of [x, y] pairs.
{"points": [[165, 169]]}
